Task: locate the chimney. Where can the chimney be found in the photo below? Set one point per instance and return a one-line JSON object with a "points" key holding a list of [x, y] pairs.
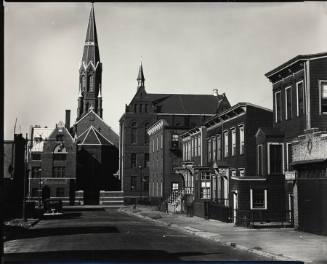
{"points": [[215, 92], [67, 120]]}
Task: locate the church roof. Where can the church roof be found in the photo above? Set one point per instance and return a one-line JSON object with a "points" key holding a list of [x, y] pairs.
{"points": [[40, 135], [91, 119], [92, 136], [91, 48]]}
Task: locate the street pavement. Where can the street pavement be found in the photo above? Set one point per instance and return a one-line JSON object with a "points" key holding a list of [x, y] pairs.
{"points": [[110, 235], [283, 244]]}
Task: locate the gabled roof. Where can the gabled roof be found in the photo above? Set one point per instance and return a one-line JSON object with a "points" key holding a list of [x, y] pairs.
{"points": [[294, 60], [92, 136]]}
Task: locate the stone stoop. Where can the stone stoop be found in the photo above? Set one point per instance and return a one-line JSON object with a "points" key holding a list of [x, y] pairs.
{"points": [[112, 198]]}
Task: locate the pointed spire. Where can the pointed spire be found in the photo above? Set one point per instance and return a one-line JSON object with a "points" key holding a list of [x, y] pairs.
{"points": [[91, 49], [140, 78]]}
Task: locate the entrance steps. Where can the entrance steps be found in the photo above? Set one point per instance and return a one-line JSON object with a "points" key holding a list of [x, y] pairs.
{"points": [[113, 199]]}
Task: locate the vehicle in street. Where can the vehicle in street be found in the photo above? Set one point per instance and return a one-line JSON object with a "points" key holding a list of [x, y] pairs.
{"points": [[52, 207]]}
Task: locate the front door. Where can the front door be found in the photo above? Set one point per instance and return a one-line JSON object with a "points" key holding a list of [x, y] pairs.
{"points": [[235, 207]]}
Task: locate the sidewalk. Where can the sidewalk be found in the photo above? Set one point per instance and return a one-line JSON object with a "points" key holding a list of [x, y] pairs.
{"points": [[283, 244]]}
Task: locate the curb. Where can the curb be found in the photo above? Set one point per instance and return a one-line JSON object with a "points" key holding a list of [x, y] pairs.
{"points": [[200, 234]]}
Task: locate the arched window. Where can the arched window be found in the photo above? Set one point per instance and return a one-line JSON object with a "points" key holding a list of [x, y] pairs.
{"points": [[146, 136], [135, 107], [91, 83], [59, 152], [140, 108], [83, 83], [133, 133]]}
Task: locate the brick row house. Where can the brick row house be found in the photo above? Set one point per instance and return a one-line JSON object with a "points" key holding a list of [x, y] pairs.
{"points": [[178, 110], [220, 156], [52, 164], [300, 108]]}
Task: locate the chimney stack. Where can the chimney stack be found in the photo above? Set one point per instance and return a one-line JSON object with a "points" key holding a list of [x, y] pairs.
{"points": [[67, 120], [215, 92]]}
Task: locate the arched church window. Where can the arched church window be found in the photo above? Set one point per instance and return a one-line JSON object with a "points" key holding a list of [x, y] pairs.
{"points": [[91, 83], [83, 83], [133, 133]]}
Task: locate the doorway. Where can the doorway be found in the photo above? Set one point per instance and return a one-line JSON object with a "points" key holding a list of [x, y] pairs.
{"points": [[235, 206]]}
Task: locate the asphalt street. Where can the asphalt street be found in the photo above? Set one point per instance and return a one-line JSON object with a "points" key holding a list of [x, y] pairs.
{"points": [[109, 235]]}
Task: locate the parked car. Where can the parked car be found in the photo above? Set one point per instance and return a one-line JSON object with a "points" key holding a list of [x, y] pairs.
{"points": [[52, 207]]}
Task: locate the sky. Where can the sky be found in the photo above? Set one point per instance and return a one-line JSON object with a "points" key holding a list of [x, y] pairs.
{"points": [[189, 48]]}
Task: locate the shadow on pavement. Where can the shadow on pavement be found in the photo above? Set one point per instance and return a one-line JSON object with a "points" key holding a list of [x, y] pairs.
{"points": [[98, 255], [59, 231]]}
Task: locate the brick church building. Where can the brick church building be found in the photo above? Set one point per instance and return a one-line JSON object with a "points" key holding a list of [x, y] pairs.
{"points": [[97, 143]]}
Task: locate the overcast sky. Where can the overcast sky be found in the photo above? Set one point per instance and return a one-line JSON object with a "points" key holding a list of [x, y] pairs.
{"points": [[186, 48]]}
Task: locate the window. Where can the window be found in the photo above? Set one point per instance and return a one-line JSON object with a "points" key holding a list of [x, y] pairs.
{"points": [[58, 172], [209, 150], [278, 110], [153, 145], [275, 152], [91, 83], [140, 108], [146, 136], [288, 103], [133, 160], [323, 97], [233, 173], [233, 141], [192, 146], [258, 199], [205, 186], [199, 145], [60, 192], [226, 144], [60, 152], [214, 148], [146, 160], [260, 160], [36, 156], [241, 129], [300, 98], [133, 183], [157, 142], [218, 147], [133, 133], [83, 83], [174, 141], [184, 150], [174, 186], [189, 150], [146, 108], [135, 108], [36, 172], [242, 172]]}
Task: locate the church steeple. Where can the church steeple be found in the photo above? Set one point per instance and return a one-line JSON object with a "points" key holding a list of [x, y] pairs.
{"points": [[90, 72], [140, 78], [91, 48]]}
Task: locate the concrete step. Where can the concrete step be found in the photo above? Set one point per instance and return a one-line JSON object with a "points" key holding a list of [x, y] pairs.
{"points": [[111, 194]]}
